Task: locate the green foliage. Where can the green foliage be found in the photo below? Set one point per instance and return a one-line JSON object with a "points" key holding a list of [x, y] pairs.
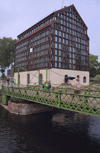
{"points": [[3, 76], [97, 78], [93, 61], [94, 65], [91, 83], [6, 52]]}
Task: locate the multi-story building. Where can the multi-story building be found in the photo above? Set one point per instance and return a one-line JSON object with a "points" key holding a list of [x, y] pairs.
{"points": [[58, 42]]}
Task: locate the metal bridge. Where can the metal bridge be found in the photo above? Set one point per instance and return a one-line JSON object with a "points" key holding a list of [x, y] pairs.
{"points": [[87, 102]]}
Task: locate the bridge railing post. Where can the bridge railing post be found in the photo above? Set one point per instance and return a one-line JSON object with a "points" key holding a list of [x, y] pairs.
{"points": [[46, 73], [85, 98], [89, 91], [59, 98]]}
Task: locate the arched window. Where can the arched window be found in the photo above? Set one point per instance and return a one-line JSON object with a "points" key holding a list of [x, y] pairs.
{"points": [[84, 79], [28, 78], [66, 78]]}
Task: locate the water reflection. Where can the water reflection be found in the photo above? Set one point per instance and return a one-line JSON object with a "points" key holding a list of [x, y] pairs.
{"points": [[57, 132]]}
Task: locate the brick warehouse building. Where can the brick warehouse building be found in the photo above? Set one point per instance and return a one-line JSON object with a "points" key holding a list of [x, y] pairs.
{"points": [[58, 42]]}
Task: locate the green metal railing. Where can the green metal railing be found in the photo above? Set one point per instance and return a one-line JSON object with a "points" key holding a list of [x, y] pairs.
{"points": [[83, 103], [87, 102]]}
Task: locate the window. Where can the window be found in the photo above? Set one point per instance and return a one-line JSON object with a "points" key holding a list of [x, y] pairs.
{"points": [[65, 23], [28, 78], [84, 79], [55, 32], [66, 42], [59, 46], [60, 40], [64, 16], [59, 59], [78, 45], [70, 60], [63, 65], [74, 66], [61, 15], [70, 55], [70, 66], [55, 45], [59, 33], [55, 51], [63, 47], [55, 58], [59, 64], [66, 35], [73, 49], [56, 38], [63, 34], [61, 27], [59, 52], [73, 55], [55, 64], [70, 49], [65, 29], [63, 41]]}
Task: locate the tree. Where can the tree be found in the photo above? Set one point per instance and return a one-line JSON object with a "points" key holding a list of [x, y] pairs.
{"points": [[93, 65], [97, 78], [3, 76], [6, 52]]}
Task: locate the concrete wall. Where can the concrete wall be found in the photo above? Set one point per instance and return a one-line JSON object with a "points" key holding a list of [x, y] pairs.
{"points": [[56, 76]]}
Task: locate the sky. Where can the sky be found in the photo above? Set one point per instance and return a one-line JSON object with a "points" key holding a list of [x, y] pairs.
{"points": [[18, 15]]}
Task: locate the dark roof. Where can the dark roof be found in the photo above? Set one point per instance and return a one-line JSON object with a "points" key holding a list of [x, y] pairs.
{"points": [[35, 31], [35, 24], [75, 10], [50, 22]]}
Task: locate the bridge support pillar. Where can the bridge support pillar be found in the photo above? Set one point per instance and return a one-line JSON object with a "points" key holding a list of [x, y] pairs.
{"points": [[27, 108]]}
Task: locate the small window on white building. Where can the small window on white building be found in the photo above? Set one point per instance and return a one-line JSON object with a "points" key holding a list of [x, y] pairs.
{"points": [[84, 79]]}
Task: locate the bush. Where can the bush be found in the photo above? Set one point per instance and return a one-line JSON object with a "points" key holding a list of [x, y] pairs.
{"points": [[91, 83], [97, 78]]}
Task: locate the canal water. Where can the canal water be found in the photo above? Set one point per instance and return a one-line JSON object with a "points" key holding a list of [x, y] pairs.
{"points": [[54, 132]]}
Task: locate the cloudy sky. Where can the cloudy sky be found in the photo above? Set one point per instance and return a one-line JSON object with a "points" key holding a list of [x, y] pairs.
{"points": [[18, 15]]}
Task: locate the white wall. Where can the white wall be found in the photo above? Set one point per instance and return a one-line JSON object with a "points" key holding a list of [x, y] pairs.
{"points": [[56, 76], [58, 79]]}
